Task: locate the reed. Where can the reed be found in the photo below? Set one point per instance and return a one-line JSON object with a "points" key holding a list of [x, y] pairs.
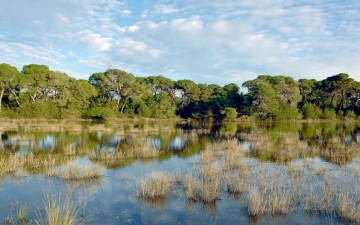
{"points": [[11, 163], [294, 168], [156, 185], [255, 202], [23, 212], [60, 210], [346, 208]]}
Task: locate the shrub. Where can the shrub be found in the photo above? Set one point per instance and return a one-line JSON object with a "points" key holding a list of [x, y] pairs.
{"points": [[99, 113], [229, 113], [329, 113], [350, 114]]}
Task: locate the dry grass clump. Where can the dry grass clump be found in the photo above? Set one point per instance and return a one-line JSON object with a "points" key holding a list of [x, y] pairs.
{"points": [[224, 145], [156, 185], [235, 184], [208, 156], [143, 149], [346, 208], [294, 168], [77, 171], [38, 163], [270, 193], [198, 189], [23, 212], [60, 210], [321, 170], [233, 159], [312, 202], [203, 184], [255, 202], [277, 201], [11, 164]]}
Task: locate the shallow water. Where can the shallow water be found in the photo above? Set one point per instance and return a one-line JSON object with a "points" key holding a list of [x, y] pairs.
{"points": [[112, 199]]}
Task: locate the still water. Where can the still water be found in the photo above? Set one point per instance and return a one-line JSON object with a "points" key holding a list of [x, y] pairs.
{"points": [[323, 152]]}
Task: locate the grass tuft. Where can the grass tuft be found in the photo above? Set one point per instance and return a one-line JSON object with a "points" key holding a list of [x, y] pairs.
{"points": [[155, 186], [60, 210], [77, 171], [23, 212]]}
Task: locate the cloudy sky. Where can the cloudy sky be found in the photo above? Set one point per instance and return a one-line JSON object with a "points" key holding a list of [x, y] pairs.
{"points": [[208, 41]]}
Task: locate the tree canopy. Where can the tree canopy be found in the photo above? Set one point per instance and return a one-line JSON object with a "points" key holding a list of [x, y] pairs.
{"points": [[37, 91]]}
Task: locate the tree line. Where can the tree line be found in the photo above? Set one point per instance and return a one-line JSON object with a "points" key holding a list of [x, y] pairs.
{"points": [[38, 92]]}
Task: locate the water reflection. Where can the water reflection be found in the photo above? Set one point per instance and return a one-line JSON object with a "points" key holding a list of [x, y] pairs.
{"points": [[335, 142]]}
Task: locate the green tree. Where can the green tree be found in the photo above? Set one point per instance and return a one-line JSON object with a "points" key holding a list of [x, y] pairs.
{"points": [[35, 78], [306, 87], [188, 90], [274, 97], [8, 74], [264, 103], [229, 113], [337, 88], [59, 84], [118, 81], [162, 84]]}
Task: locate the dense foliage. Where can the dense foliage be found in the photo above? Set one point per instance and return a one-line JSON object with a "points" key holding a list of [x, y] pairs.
{"points": [[38, 92]]}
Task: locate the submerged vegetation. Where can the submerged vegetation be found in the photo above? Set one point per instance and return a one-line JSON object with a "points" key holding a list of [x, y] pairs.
{"points": [[38, 92]]}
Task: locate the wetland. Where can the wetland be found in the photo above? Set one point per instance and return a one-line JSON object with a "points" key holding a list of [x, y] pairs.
{"points": [[167, 172]]}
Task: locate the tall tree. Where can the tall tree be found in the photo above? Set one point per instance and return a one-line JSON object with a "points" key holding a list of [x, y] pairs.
{"points": [[162, 84], [8, 74], [338, 86], [118, 81], [35, 77], [189, 91]]}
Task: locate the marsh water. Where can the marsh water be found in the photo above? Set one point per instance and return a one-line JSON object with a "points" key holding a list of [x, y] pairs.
{"points": [[320, 151]]}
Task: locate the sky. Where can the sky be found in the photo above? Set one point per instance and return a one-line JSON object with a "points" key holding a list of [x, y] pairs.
{"points": [[207, 41]]}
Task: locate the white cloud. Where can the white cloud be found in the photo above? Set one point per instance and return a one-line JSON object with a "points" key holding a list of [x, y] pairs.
{"points": [[165, 9], [187, 25], [94, 40], [126, 12], [134, 28], [209, 41]]}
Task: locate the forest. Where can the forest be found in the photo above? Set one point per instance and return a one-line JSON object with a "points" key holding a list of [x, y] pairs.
{"points": [[38, 92]]}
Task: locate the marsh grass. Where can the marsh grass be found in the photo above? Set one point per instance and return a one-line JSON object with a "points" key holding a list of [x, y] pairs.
{"points": [[60, 210], [346, 209], [142, 148], [156, 185], [77, 171], [199, 189], [23, 212], [295, 168]]}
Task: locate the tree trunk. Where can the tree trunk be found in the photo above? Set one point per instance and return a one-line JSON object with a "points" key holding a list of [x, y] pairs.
{"points": [[122, 108], [16, 97], [1, 95]]}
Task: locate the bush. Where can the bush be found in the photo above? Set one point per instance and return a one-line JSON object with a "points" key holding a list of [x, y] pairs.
{"points": [[40, 109], [229, 113], [311, 112], [329, 114], [245, 118], [287, 112], [350, 114], [99, 113]]}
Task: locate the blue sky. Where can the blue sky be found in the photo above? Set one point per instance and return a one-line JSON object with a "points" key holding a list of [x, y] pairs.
{"points": [[207, 41]]}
